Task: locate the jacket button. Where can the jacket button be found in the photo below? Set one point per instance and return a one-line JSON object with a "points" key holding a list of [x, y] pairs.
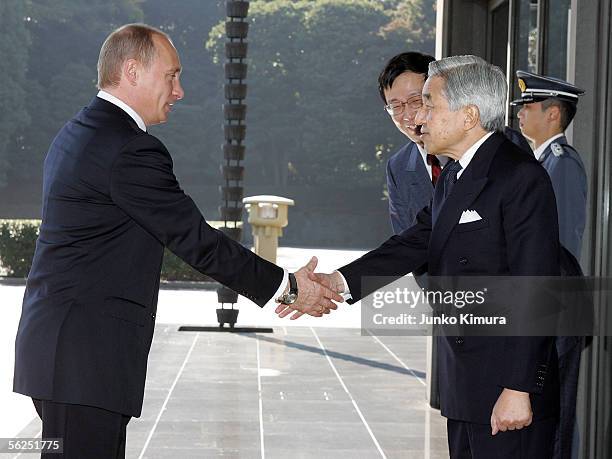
{"points": [[459, 340], [463, 261], [153, 316]]}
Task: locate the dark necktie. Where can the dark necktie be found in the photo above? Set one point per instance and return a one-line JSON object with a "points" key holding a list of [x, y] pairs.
{"points": [[436, 169], [444, 188], [451, 177]]}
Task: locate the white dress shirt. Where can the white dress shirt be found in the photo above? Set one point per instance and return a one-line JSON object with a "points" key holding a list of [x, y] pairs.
{"points": [[123, 106], [470, 152], [443, 160]]}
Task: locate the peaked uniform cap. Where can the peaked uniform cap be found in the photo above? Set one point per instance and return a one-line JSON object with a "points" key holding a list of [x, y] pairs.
{"points": [[536, 88]]}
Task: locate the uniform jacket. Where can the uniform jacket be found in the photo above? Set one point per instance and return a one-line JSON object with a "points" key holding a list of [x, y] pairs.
{"points": [[111, 203], [569, 181]]}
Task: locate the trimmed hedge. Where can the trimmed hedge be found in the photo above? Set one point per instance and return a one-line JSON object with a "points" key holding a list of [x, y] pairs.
{"points": [[175, 269], [17, 244], [18, 241]]}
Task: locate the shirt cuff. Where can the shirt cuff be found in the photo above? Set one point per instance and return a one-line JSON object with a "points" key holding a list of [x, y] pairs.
{"points": [[281, 289], [346, 294]]}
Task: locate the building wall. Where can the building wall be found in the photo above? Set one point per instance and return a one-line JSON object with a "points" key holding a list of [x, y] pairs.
{"points": [[593, 138]]}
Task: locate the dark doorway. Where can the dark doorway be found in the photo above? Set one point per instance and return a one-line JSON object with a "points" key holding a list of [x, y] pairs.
{"points": [[497, 33]]}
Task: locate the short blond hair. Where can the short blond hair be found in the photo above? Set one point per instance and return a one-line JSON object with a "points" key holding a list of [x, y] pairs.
{"points": [[131, 41]]}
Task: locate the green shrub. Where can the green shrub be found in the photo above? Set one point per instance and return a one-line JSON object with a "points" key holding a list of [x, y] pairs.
{"points": [[17, 244], [175, 269], [18, 241]]}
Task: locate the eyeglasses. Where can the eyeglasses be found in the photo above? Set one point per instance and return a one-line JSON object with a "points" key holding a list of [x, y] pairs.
{"points": [[396, 108]]}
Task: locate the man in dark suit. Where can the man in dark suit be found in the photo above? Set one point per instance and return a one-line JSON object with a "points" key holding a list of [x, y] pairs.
{"points": [[492, 214], [111, 203], [411, 172]]}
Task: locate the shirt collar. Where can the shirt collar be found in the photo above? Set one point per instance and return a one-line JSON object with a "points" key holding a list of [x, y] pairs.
{"points": [[464, 161], [443, 159], [542, 148], [123, 106]]}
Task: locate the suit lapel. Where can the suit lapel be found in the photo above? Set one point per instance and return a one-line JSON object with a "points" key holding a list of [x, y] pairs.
{"points": [[466, 190], [414, 157], [416, 165]]}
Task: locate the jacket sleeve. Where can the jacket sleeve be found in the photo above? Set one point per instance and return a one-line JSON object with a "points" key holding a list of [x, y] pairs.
{"points": [[143, 185], [396, 257], [570, 185]]}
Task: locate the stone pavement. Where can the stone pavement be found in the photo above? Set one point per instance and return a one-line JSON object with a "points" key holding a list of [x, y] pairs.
{"points": [[314, 388]]}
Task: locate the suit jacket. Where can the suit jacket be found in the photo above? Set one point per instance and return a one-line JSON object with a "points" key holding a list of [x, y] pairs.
{"points": [[517, 235], [569, 181], [410, 188], [409, 185], [518, 139], [111, 203]]}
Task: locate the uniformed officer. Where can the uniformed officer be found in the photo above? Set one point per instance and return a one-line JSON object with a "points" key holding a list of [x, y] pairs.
{"points": [[548, 107]]}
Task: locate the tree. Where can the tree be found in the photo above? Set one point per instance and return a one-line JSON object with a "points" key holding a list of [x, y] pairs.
{"points": [[315, 117], [14, 48], [316, 130], [194, 132], [61, 70], [66, 36]]}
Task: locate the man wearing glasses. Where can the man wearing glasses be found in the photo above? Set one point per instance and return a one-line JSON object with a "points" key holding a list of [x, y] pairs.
{"points": [[411, 172]]}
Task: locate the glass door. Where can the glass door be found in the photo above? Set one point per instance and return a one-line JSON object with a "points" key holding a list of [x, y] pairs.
{"points": [[497, 33]]}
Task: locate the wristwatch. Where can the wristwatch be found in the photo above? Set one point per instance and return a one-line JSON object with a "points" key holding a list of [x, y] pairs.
{"points": [[291, 296]]}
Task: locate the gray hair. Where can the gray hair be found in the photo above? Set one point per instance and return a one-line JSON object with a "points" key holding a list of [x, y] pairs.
{"points": [[131, 41], [470, 80]]}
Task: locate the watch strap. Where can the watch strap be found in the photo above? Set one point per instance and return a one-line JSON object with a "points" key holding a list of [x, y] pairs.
{"points": [[293, 288]]}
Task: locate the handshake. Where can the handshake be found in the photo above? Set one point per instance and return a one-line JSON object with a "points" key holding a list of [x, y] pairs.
{"points": [[316, 292]]}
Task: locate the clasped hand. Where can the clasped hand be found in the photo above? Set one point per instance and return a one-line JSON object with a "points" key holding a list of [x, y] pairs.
{"points": [[511, 411], [316, 293]]}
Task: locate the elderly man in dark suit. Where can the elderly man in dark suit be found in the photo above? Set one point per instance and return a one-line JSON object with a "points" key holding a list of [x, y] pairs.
{"points": [[412, 173], [493, 214], [111, 203]]}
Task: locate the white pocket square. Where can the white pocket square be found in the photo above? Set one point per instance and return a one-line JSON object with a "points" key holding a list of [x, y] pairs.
{"points": [[469, 216]]}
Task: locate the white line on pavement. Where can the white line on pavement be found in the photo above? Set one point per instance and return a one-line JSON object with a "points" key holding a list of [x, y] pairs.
{"points": [[421, 380], [382, 454], [38, 435], [178, 375], [261, 427]]}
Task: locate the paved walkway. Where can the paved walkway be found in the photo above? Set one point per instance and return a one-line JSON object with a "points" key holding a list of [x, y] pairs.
{"points": [[314, 388]]}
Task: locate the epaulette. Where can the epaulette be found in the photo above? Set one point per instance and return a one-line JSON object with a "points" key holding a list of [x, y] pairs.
{"points": [[557, 149]]}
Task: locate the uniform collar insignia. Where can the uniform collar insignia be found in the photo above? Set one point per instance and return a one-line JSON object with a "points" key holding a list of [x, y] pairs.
{"points": [[556, 149]]}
